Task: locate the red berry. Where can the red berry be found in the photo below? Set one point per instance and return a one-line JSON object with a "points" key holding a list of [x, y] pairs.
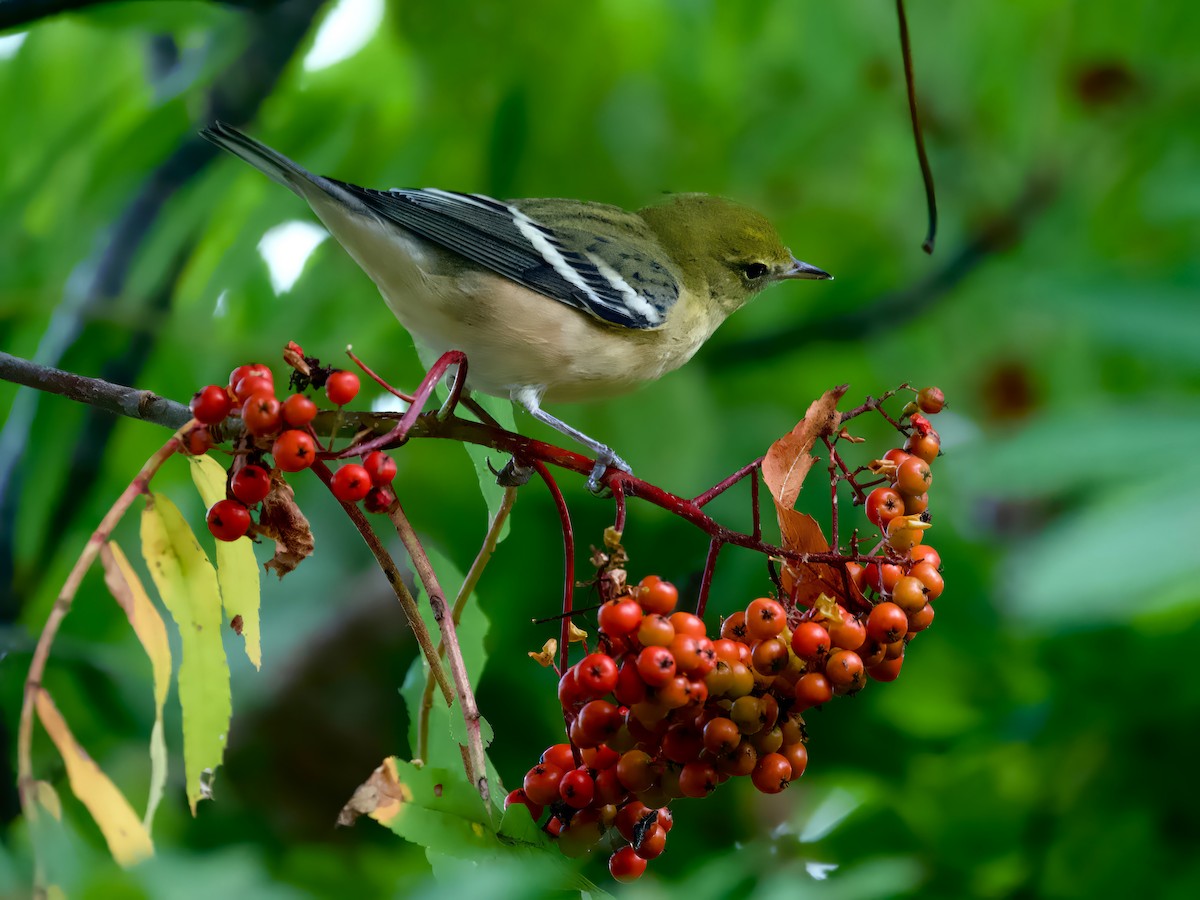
{"points": [[656, 665], [848, 634], [810, 641], [198, 441], [686, 623], [765, 618], [653, 842], [927, 573], [261, 414], [559, 755], [350, 483], [888, 670], [379, 499], [931, 400], [657, 596], [629, 817], [813, 689], [211, 404], [887, 623], [797, 756], [298, 410], [251, 484], [381, 468], [844, 669], [625, 865], [257, 369], [228, 520], [251, 385], [597, 674], [598, 721], [294, 450], [772, 773], [913, 476], [519, 796], [541, 783], [883, 505], [698, 779], [620, 617], [341, 387], [630, 688], [577, 788]]}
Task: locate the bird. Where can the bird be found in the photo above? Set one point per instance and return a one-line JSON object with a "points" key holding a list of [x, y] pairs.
{"points": [[550, 300]]}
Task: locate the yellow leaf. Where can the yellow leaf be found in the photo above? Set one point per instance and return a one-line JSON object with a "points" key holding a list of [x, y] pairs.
{"points": [[237, 569], [128, 840], [187, 583], [575, 633], [127, 590]]}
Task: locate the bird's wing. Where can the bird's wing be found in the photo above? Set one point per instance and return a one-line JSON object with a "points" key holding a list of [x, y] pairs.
{"points": [[582, 261]]}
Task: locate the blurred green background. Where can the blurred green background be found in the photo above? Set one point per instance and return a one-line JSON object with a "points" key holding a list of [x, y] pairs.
{"points": [[1041, 740]]}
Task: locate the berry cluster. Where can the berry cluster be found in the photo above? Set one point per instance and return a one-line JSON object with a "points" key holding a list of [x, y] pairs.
{"points": [[282, 430], [662, 711]]}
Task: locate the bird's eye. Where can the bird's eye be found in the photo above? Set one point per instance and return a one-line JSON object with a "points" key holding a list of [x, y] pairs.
{"points": [[755, 270]]}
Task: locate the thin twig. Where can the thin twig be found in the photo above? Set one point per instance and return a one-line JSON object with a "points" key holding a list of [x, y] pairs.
{"points": [[476, 761], [412, 613], [26, 785], [490, 540], [918, 137]]}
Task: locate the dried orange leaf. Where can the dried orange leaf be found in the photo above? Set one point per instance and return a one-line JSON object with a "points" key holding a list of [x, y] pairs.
{"points": [[128, 840], [788, 460]]}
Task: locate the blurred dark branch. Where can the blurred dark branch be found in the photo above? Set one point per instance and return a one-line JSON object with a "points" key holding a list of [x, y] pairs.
{"points": [[14, 13], [997, 234], [85, 463], [111, 398], [275, 33]]}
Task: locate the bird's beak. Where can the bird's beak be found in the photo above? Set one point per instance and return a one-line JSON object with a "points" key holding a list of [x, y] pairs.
{"points": [[805, 271]]}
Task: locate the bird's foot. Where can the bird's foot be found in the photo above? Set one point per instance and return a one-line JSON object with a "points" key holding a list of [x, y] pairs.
{"points": [[604, 460]]}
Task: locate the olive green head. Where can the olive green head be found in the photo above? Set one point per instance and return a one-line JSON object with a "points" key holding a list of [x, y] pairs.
{"points": [[724, 248]]}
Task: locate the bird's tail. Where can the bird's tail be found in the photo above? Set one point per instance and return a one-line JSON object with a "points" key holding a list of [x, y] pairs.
{"points": [[270, 162]]}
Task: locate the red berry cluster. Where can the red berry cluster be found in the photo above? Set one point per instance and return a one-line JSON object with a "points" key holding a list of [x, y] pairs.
{"points": [[281, 429], [662, 711]]}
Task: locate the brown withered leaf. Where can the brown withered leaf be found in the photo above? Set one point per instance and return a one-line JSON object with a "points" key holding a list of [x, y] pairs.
{"points": [[282, 521], [379, 797], [788, 460], [785, 466]]}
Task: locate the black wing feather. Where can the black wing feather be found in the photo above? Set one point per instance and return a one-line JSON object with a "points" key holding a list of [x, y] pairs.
{"points": [[487, 232]]}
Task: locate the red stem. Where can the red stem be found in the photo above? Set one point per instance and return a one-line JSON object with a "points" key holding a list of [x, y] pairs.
{"points": [[710, 564], [568, 533], [400, 431]]}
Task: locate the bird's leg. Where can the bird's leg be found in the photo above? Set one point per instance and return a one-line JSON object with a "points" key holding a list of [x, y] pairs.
{"points": [[530, 398]]}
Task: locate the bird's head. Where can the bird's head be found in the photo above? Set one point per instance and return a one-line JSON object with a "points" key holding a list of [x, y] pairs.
{"points": [[724, 248]]}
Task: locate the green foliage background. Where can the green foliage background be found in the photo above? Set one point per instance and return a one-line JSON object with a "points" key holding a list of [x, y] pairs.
{"points": [[1041, 739]]}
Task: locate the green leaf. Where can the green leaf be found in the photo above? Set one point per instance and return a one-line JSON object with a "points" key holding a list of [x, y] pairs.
{"points": [[493, 494], [237, 569], [187, 583]]}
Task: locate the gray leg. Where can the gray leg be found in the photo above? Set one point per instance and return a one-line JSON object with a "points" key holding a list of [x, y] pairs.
{"points": [[531, 399]]}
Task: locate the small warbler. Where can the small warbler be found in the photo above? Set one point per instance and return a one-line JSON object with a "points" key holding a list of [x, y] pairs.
{"points": [[549, 299]]}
